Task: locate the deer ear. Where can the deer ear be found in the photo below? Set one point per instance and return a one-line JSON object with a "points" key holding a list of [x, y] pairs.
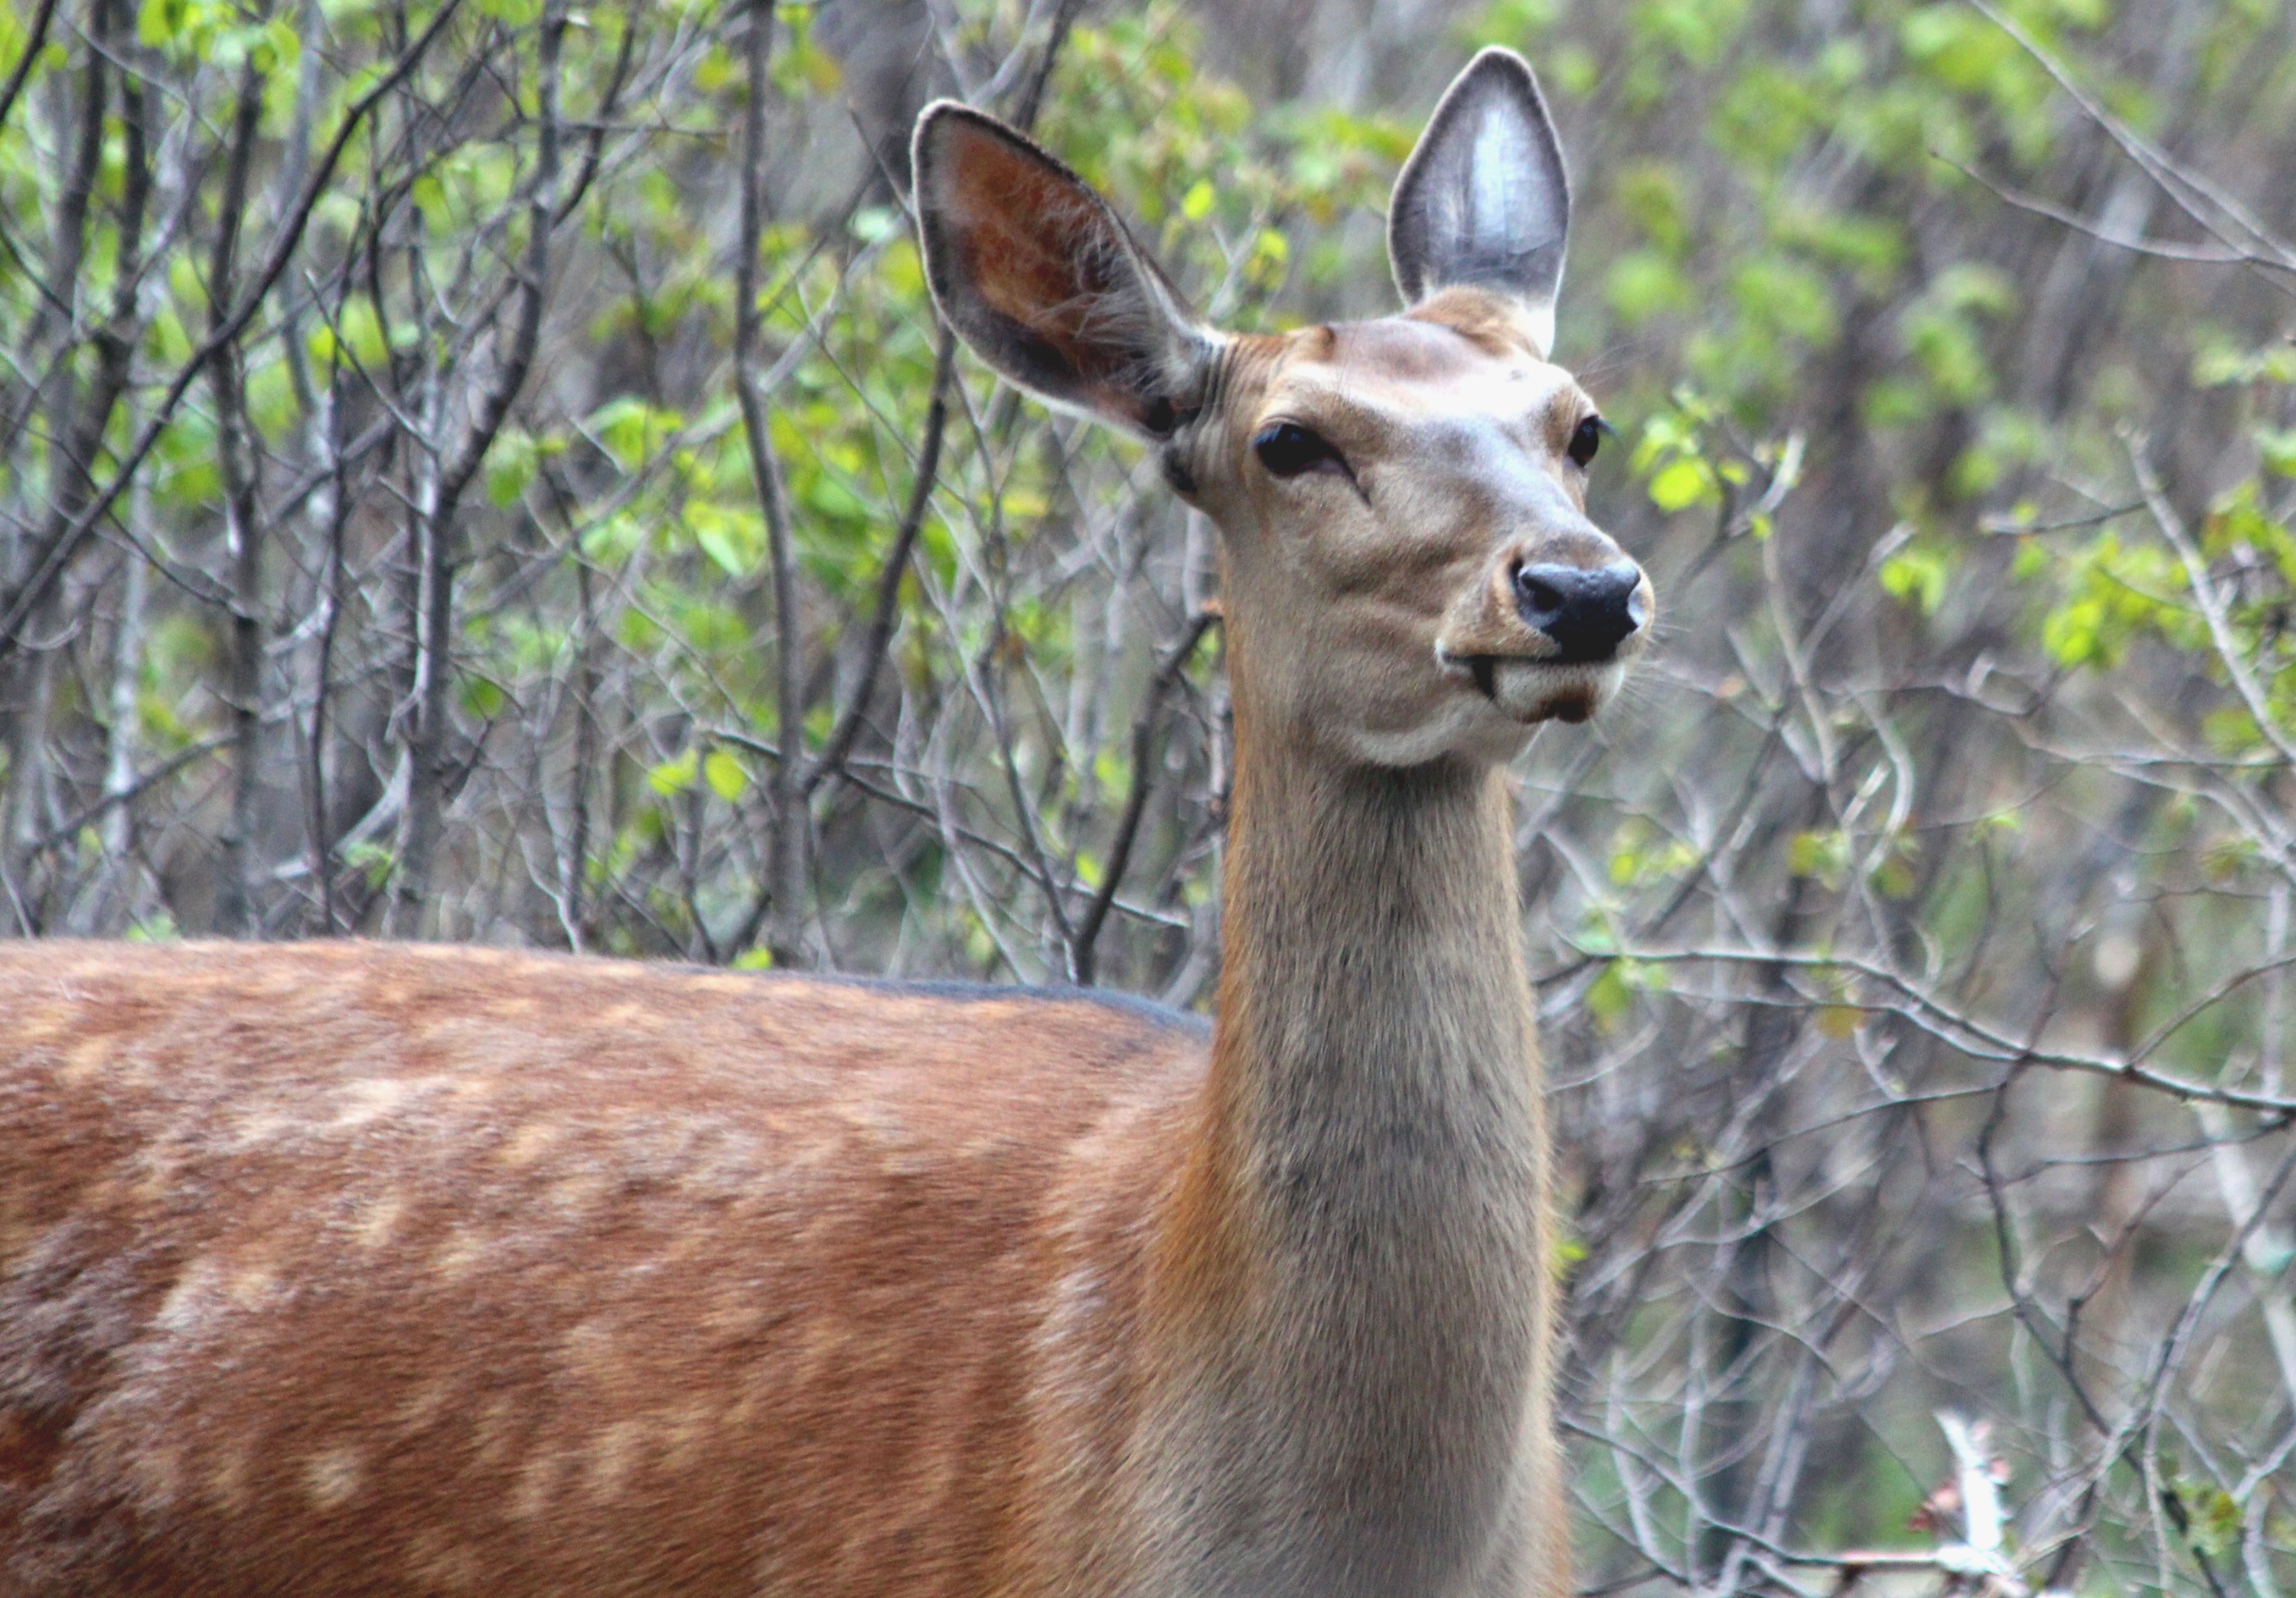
{"points": [[1036, 273], [1484, 201]]}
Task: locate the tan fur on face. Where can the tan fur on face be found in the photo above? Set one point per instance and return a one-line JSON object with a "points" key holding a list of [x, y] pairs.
{"points": [[1363, 597]]}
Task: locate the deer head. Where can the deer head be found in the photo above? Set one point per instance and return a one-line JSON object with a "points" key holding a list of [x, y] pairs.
{"points": [[1410, 571]]}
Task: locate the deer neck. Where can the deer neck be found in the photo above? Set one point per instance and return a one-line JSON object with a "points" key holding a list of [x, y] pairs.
{"points": [[1373, 1004], [1374, 1063], [1354, 1262]]}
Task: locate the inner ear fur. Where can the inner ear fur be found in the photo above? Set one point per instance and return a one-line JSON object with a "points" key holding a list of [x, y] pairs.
{"points": [[1484, 201], [1037, 273]]}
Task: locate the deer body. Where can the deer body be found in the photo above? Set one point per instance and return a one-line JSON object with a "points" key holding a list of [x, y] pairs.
{"points": [[570, 1276], [354, 1269]]}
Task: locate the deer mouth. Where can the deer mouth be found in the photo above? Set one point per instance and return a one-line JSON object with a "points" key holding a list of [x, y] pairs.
{"points": [[1527, 689]]}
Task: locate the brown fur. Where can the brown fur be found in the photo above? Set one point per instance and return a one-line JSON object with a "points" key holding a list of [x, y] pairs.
{"points": [[346, 1268]]}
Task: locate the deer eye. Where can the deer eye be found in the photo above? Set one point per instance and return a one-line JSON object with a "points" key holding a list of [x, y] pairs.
{"points": [[1287, 449], [1587, 439]]}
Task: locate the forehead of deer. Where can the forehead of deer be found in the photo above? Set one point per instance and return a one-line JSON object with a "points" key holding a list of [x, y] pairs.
{"points": [[1416, 365]]}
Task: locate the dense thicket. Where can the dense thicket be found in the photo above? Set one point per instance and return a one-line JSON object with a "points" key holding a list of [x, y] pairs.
{"points": [[488, 470]]}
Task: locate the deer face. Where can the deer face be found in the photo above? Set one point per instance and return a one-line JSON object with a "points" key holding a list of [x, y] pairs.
{"points": [[1410, 571], [1410, 564]]}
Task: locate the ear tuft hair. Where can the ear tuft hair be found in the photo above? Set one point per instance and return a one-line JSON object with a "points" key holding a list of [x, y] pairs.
{"points": [[1038, 275]]}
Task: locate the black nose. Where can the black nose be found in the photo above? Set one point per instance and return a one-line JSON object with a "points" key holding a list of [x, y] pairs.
{"points": [[1586, 613]]}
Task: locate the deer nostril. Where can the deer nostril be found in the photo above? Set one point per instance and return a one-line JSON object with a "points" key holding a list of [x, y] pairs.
{"points": [[1537, 595], [1584, 614]]}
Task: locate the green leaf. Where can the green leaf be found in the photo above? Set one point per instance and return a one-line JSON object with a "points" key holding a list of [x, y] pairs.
{"points": [[716, 542], [1681, 484], [510, 466], [727, 777], [372, 860], [2278, 446], [1271, 253], [158, 21], [2212, 1518], [160, 927], [615, 539], [631, 430], [1820, 855], [429, 197], [2216, 367], [2073, 634], [675, 775], [1895, 876], [483, 697], [1917, 575], [1607, 1001]]}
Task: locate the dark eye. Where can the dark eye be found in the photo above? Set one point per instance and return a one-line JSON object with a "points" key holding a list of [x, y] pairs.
{"points": [[1287, 449], [1587, 439]]}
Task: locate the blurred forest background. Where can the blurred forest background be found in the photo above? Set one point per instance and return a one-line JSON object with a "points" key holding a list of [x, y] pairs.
{"points": [[488, 470]]}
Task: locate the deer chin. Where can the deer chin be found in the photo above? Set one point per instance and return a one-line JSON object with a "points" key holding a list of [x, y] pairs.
{"points": [[1528, 690]]}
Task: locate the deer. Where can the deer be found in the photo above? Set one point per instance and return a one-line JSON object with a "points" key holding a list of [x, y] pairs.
{"points": [[355, 1268]]}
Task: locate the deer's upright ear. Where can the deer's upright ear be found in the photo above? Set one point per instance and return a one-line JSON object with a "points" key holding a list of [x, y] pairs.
{"points": [[1036, 273], [1484, 201]]}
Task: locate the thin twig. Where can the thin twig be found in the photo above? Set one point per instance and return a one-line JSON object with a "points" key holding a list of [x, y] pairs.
{"points": [[1083, 947], [885, 615]]}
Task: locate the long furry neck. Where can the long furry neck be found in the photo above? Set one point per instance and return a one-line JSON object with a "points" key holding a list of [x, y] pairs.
{"points": [[1373, 994], [1359, 1243]]}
